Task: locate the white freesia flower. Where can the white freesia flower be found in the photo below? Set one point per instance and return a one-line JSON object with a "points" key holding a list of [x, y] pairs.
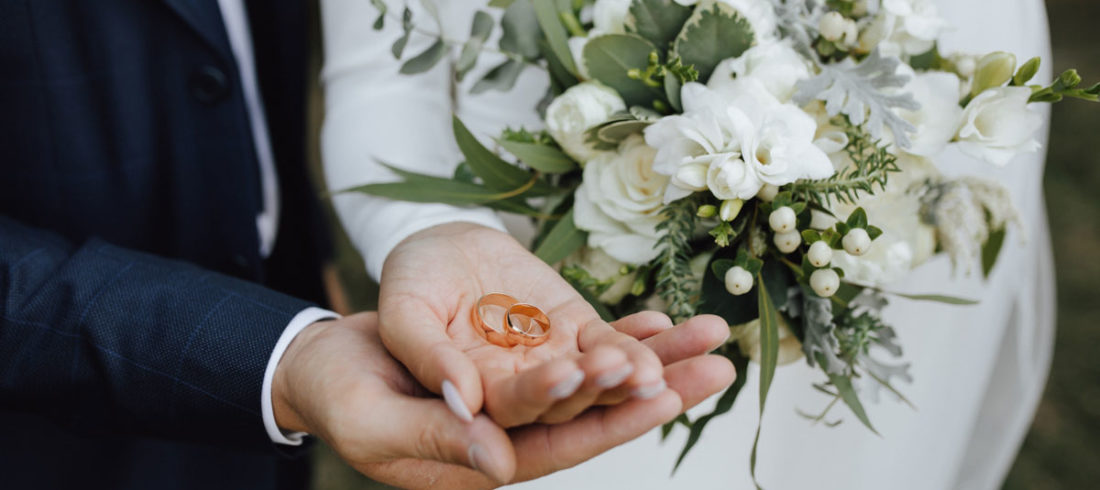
{"points": [[904, 27], [609, 17], [619, 202], [906, 241], [997, 125], [743, 136], [776, 65], [580, 107], [760, 14], [939, 114], [604, 267]]}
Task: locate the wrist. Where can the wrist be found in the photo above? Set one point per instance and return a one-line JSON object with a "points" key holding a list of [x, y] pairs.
{"points": [[288, 406]]}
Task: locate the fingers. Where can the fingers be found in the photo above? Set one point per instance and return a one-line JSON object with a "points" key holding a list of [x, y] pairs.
{"points": [[647, 380], [605, 368], [697, 378], [697, 336], [517, 399], [425, 429], [643, 324], [419, 340]]}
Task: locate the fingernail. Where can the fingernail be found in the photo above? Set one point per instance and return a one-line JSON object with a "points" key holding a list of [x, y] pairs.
{"points": [[479, 458], [566, 388], [615, 378], [648, 391], [455, 403]]}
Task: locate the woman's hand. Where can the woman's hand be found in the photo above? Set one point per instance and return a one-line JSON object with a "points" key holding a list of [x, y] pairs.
{"points": [[433, 279]]}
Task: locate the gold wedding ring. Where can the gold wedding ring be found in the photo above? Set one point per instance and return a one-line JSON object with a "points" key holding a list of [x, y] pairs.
{"points": [[519, 323]]}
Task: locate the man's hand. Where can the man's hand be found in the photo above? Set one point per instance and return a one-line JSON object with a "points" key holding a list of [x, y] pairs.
{"points": [[336, 381], [433, 279]]}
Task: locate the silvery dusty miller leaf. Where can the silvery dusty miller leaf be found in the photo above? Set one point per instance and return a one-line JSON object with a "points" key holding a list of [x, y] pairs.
{"points": [[856, 90], [817, 324]]}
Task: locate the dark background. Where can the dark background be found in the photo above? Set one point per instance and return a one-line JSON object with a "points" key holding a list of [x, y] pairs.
{"points": [[1062, 450]]}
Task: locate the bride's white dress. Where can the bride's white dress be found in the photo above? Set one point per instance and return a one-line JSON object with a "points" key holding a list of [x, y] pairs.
{"points": [[978, 371]]}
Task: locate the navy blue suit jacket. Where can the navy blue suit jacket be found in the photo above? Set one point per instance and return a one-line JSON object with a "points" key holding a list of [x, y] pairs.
{"points": [[134, 330]]}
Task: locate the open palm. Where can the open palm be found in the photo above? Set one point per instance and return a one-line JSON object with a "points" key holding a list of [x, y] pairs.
{"points": [[433, 279]]}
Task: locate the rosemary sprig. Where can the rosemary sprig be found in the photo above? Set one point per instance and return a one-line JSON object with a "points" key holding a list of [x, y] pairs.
{"points": [[871, 166]]}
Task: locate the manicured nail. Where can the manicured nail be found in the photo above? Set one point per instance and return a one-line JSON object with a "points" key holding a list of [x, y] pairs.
{"points": [[479, 459], [455, 403], [615, 378], [649, 391], [567, 387]]}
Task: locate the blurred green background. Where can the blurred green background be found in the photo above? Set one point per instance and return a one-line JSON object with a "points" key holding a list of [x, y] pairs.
{"points": [[1062, 450]]}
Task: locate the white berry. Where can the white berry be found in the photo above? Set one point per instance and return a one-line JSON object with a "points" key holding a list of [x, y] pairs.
{"points": [[820, 254], [824, 282], [857, 241], [783, 219], [767, 193], [788, 242], [738, 281]]}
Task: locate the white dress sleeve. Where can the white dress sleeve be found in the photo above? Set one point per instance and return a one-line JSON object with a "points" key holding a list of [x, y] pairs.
{"points": [[374, 114]]}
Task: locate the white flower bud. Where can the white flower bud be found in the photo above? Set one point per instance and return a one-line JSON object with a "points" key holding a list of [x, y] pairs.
{"points": [[824, 282], [788, 242], [993, 70], [783, 220], [767, 193], [691, 177], [857, 241], [820, 254], [832, 26], [738, 281], [965, 66], [730, 209]]}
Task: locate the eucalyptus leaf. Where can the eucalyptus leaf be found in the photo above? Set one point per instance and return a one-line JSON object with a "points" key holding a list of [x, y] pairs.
{"points": [[425, 60], [713, 34], [398, 48], [564, 238], [546, 159], [380, 22], [549, 19], [520, 30], [479, 31], [502, 77], [610, 57], [659, 21]]}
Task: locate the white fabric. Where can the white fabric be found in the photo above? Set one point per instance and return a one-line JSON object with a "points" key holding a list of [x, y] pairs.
{"points": [[979, 371], [300, 321], [240, 41]]}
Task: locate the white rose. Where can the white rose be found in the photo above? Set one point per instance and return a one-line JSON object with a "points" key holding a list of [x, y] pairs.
{"points": [[906, 241], [603, 267], [747, 336], [773, 141], [760, 14], [619, 202], [576, 110], [776, 65], [939, 114], [904, 27], [997, 125]]}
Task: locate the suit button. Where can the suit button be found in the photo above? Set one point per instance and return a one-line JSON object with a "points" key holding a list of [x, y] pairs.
{"points": [[209, 84]]}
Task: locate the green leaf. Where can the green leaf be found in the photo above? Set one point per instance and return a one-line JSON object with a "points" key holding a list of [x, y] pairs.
{"points": [[549, 19], [520, 30], [1026, 72], [991, 249], [608, 58], [843, 386], [873, 232], [672, 92], [711, 35], [380, 22], [479, 32], [398, 47], [725, 403], [936, 298], [502, 77], [858, 219], [501, 4], [659, 21], [564, 238], [721, 266], [546, 159], [432, 189], [494, 171], [681, 419], [716, 300], [425, 60], [769, 357]]}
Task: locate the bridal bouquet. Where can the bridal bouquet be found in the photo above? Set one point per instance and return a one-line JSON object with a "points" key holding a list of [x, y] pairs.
{"points": [[769, 161]]}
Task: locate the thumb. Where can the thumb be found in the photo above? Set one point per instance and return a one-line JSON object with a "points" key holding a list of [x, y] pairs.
{"points": [[425, 429], [421, 343]]}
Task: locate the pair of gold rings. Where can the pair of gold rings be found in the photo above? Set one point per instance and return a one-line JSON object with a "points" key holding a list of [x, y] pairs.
{"points": [[519, 324]]}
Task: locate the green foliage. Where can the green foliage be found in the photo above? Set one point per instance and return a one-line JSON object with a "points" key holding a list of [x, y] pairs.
{"points": [[564, 238], [612, 57], [1066, 85], [769, 357], [871, 167], [1026, 72], [712, 34], [479, 33], [379, 22], [548, 14], [725, 402], [675, 282], [493, 171], [502, 77], [608, 135], [426, 59], [426, 188], [544, 158], [520, 30], [843, 384], [398, 47], [659, 21], [991, 249]]}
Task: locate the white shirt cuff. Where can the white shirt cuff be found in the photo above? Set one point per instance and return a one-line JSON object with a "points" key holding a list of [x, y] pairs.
{"points": [[300, 321]]}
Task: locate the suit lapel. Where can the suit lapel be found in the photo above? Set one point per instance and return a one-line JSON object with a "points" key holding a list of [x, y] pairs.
{"points": [[204, 17]]}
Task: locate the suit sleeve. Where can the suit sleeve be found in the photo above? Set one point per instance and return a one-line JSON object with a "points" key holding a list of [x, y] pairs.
{"points": [[103, 339]]}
